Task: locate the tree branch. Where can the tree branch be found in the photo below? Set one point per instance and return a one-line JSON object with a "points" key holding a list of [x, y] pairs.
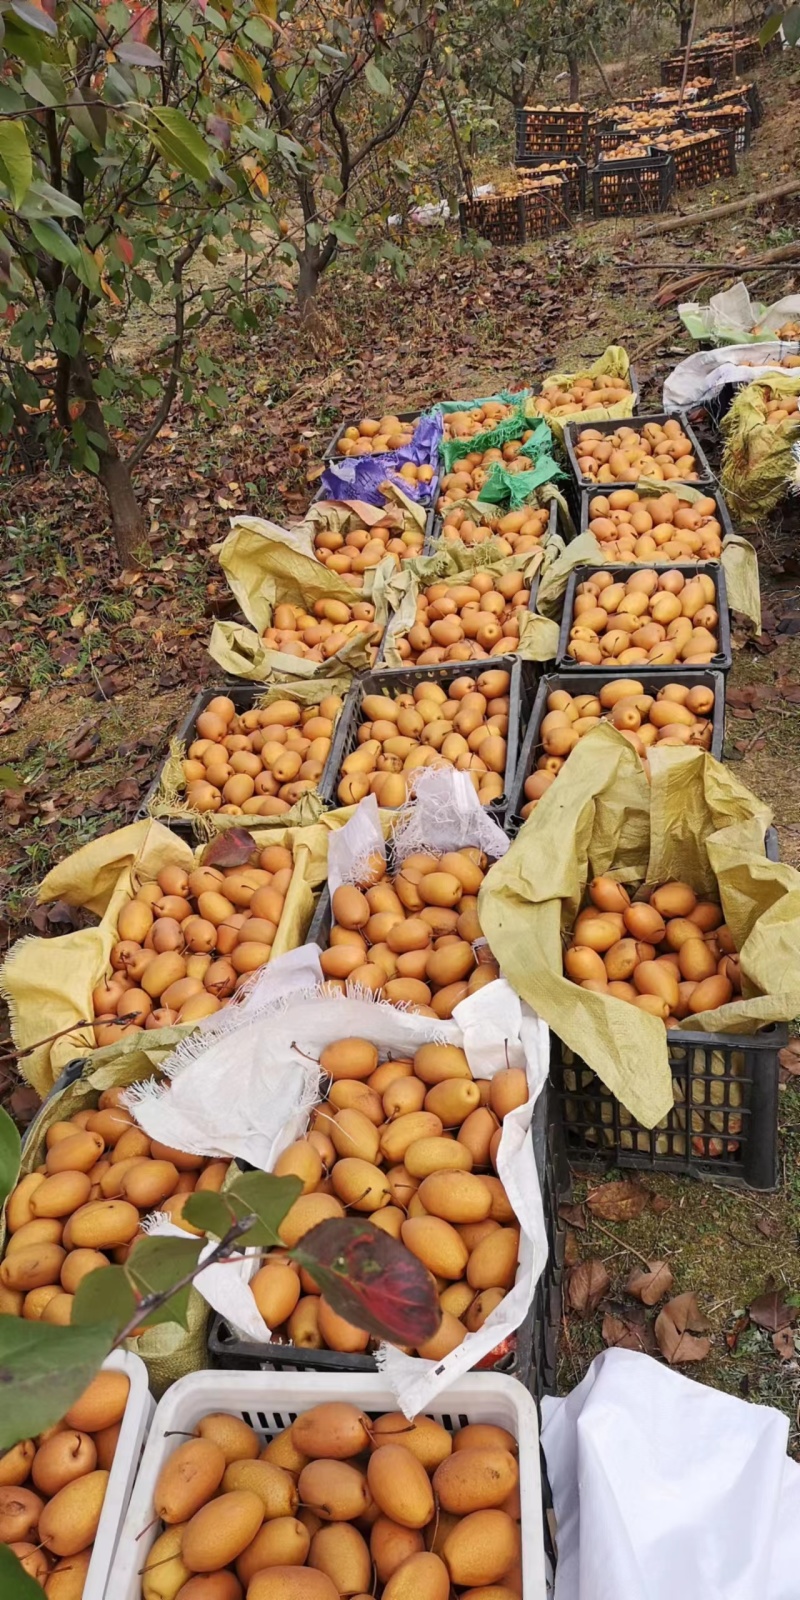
{"points": [[178, 344]]}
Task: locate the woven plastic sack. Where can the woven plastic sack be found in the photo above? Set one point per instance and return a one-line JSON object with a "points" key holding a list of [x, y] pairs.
{"points": [[453, 565], [266, 566], [169, 801], [361, 477], [48, 983], [613, 363], [694, 821], [757, 459]]}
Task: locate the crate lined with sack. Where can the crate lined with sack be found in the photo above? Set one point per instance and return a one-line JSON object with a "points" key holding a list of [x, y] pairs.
{"points": [[681, 524], [530, 1355], [699, 158], [688, 710], [341, 1428], [573, 168], [626, 185], [555, 130], [247, 751], [401, 705], [531, 210], [711, 118]]}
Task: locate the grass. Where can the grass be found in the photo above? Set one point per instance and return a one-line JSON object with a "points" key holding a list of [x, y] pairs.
{"points": [[710, 1238]]}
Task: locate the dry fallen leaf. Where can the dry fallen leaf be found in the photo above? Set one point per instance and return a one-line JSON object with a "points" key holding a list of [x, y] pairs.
{"points": [[783, 1343], [789, 1057], [574, 1215], [681, 1330], [621, 1201], [627, 1328], [769, 1227], [650, 1285], [770, 1311], [586, 1285]]}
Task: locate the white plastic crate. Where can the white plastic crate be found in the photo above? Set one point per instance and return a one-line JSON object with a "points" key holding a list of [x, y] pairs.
{"points": [[270, 1401], [138, 1413]]}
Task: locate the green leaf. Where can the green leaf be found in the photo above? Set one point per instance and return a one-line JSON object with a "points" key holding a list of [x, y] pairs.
{"points": [[34, 17], [103, 1296], [142, 289], [10, 1142], [43, 200], [770, 29], [43, 1369], [376, 80], [14, 1581], [209, 1212], [154, 1265], [344, 232], [55, 242], [266, 1197], [16, 166], [257, 30], [9, 779], [34, 84], [179, 142], [89, 117], [791, 25]]}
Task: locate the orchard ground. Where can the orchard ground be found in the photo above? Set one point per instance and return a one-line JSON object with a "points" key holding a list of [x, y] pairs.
{"points": [[99, 665]]}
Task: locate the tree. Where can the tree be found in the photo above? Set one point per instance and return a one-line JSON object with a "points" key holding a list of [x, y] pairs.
{"points": [[519, 45], [345, 79], [132, 149]]}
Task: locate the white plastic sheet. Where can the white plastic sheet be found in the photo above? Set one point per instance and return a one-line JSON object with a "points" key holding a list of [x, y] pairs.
{"points": [[702, 375], [663, 1487]]}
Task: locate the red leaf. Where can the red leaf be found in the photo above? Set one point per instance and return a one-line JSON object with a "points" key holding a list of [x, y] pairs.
{"points": [[230, 849], [123, 247], [371, 1280]]}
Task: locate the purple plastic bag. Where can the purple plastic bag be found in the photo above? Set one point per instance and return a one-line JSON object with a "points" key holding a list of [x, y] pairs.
{"points": [[360, 477]]}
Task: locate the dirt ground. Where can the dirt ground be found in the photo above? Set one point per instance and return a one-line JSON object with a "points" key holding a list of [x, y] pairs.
{"points": [[99, 666]]}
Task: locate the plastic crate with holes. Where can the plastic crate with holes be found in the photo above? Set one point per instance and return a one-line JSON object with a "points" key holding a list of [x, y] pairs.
{"points": [[132, 1434], [634, 187], [244, 696], [590, 682], [724, 1122], [572, 431], [270, 1402], [722, 659], [704, 158], [403, 680], [553, 130], [435, 535], [573, 167], [735, 116], [532, 1353], [534, 211]]}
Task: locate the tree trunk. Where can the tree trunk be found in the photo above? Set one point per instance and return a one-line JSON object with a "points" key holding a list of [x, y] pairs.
{"points": [[685, 18], [126, 516], [574, 75], [308, 279]]}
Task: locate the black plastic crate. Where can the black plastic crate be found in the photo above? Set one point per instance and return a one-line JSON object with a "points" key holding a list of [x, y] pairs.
{"points": [[705, 477], [697, 164], [735, 116], [724, 1124], [710, 489], [487, 660], [533, 1360], [244, 696], [591, 681], [721, 661], [633, 188], [539, 164], [401, 679], [608, 135], [532, 213], [550, 130]]}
